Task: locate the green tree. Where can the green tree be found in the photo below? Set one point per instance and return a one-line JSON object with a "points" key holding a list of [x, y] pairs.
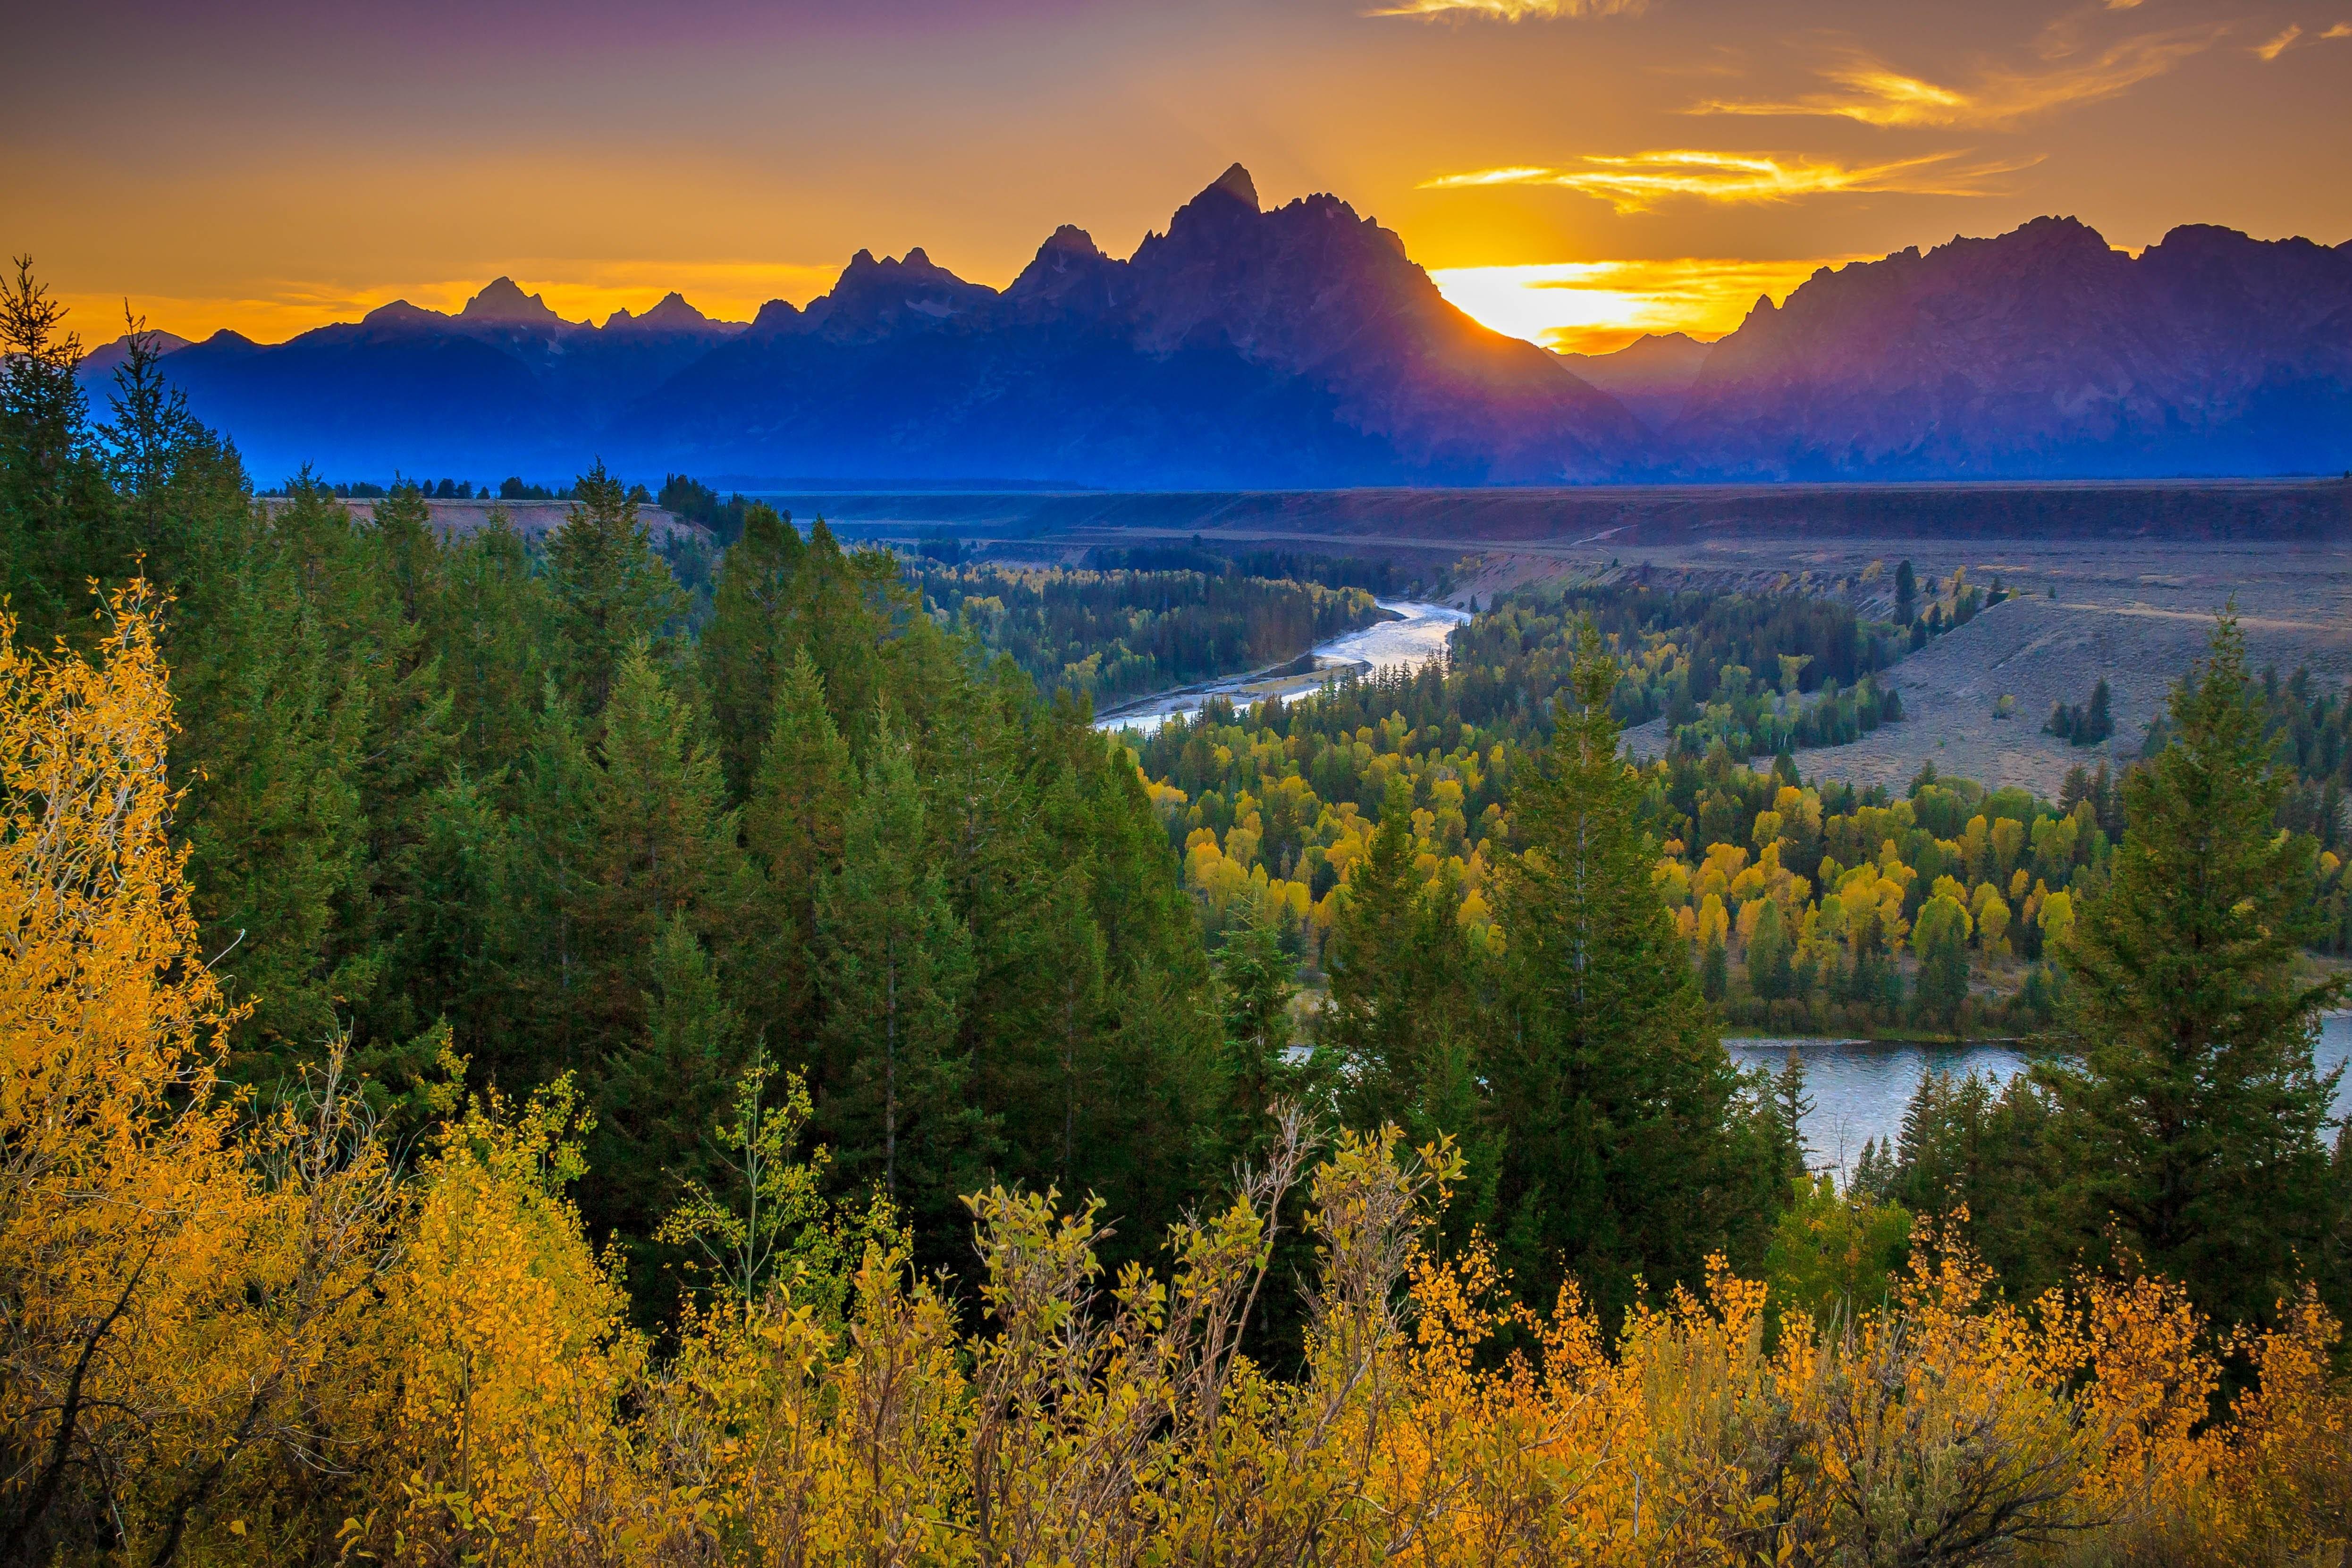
{"points": [[612, 591], [1256, 980], [1396, 1017], [656, 1098], [752, 639], [2189, 1116], [663, 847], [1940, 937], [1621, 1152], [1768, 972], [793, 825], [1833, 1252], [1790, 1106], [54, 500], [896, 973]]}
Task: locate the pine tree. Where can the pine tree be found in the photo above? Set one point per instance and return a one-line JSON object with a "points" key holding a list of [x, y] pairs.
{"points": [[2189, 1117], [612, 591], [658, 1096], [491, 624], [793, 825], [1790, 1106], [1768, 973], [750, 641], [1941, 940], [1610, 1089], [896, 973], [1370, 1019], [54, 500], [1257, 980], [663, 847]]}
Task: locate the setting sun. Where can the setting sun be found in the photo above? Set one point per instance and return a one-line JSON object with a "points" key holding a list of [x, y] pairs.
{"points": [[1597, 307]]}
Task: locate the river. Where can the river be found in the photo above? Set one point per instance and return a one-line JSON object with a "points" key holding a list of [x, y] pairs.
{"points": [[1416, 636], [1859, 1088]]}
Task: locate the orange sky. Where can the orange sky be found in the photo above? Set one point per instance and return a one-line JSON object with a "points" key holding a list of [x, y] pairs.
{"points": [[1576, 170]]}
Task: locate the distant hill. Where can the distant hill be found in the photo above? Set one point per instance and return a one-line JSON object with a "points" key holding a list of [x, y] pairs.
{"points": [[1652, 375], [1300, 347]]}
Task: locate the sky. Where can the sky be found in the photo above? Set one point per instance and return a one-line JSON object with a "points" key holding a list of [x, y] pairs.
{"points": [[1575, 171]]}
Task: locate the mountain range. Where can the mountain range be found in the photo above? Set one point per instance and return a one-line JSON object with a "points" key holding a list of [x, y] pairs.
{"points": [[1300, 347]]}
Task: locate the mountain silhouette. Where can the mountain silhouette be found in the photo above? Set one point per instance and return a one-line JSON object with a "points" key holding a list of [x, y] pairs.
{"points": [[1299, 346], [2042, 353]]}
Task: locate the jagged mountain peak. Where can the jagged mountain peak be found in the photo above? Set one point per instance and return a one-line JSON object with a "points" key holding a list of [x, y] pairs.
{"points": [[1235, 182], [671, 314], [503, 302]]}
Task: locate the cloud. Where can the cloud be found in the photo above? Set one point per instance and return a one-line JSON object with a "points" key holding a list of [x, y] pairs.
{"points": [[2280, 45], [2294, 37], [1640, 181], [1512, 10], [1866, 90]]}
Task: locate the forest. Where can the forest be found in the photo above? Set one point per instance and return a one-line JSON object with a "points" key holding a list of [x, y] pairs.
{"points": [[1120, 633], [501, 1067]]}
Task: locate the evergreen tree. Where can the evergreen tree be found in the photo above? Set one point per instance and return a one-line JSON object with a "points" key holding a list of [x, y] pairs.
{"points": [[1371, 1020], [664, 847], [2189, 1116], [656, 1098], [1622, 1152], [612, 591], [54, 500], [1256, 980], [751, 640], [1714, 970], [1940, 937], [896, 971], [159, 456], [1768, 973], [491, 624], [793, 825], [1790, 1106]]}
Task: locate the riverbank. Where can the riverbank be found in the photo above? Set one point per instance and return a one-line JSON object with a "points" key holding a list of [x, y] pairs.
{"points": [[1415, 634]]}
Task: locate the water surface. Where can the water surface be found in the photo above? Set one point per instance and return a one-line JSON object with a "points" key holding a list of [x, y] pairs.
{"points": [[1416, 636], [1859, 1088]]}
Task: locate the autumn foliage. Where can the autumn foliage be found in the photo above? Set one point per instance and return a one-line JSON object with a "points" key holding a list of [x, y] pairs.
{"points": [[242, 1334]]}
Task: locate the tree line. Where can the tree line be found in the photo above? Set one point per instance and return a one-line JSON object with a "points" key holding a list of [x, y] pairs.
{"points": [[1108, 636]]}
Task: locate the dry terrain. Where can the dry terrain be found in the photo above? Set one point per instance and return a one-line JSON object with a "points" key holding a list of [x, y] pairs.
{"points": [[532, 519], [2135, 613]]}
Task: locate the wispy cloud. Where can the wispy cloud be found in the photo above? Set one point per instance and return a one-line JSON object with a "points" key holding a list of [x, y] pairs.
{"points": [[2294, 37], [1511, 10], [1862, 88], [2275, 47], [1640, 181]]}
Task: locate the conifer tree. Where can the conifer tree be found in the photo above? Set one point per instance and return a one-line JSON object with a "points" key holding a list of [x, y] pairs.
{"points": [[1257, 980], [658, 1095], [54, 500], [1941, 939], [665, 844], [491, 628], [896, 971], [793, 825], [1610, 1089], [751, 640], [1400, 989], [2189, 1116], [612, 591], [1768, 973]]}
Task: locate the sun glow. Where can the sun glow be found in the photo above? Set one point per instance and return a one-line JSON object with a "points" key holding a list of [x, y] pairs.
{"points": [[1595, 307]]}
